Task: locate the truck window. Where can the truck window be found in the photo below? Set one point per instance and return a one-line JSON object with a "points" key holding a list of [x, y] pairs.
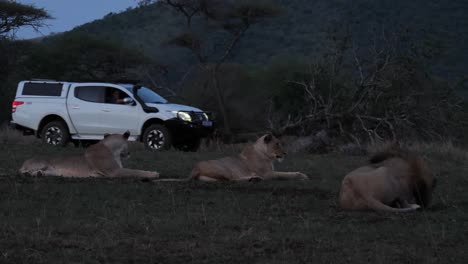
{"points": [[147, 95], [42, 89], [94, 94], [115, 96]]}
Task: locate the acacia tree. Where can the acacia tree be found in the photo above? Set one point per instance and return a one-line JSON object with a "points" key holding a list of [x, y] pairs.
{"points": [[14, 15], [229, 20]]}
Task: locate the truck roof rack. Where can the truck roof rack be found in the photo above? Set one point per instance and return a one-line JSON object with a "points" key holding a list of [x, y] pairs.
{"points": [[127, 81], [43, 80], [122, 81]]}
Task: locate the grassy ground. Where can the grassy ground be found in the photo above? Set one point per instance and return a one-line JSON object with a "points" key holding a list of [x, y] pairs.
{"points": [[51, 220]]}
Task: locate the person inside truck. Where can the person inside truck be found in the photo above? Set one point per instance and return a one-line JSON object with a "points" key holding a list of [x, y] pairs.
{"points": [[115, 97]]}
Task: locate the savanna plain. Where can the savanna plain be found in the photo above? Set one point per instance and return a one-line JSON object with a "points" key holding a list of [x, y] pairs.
{"points": [[97, 220]]}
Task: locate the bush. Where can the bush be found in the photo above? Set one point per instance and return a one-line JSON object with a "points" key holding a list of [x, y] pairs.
{"points": [[384, 94]]}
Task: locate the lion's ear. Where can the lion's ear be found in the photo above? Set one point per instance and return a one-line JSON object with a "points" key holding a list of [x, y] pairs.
{"points": [[267, 138], [106, 135], [126, 135]]}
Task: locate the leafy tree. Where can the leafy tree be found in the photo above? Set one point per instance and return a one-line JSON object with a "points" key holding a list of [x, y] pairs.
{"points": [[14, 15]]}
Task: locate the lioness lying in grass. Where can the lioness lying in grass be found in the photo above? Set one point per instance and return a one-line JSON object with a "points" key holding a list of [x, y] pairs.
{"points": [[255, 162], [100, 159]]}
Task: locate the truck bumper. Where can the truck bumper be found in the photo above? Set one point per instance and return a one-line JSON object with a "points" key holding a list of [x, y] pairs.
{"points": [[26, 131], [183, 131]]}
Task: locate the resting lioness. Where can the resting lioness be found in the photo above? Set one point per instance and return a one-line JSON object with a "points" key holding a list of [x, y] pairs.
{"points": [[100, 159], [255, 162], [395, 181]]}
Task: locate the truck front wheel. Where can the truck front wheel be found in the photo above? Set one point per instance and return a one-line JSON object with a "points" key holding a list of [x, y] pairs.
{"points": [[55, 133], [157, 137]]}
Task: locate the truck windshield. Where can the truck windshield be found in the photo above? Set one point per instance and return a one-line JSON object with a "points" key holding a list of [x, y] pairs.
{"points": [[148, 95]]}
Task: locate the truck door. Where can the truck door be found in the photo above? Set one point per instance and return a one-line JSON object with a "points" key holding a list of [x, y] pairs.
{"points": [[93, 111], [118, 117], [83, 106]]}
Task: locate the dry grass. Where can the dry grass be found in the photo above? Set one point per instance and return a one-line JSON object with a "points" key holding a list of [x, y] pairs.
{"points": [[53, 220], [218, 145], [12, 136], [439, 150]]}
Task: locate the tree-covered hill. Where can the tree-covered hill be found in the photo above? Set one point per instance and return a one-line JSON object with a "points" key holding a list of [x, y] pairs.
{"points": [[304, 27]]}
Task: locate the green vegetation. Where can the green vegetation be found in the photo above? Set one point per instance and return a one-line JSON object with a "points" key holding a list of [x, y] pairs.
{"points": [[52, 220]]}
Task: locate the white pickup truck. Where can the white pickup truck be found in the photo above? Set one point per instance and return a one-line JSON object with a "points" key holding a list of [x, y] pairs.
{"points": [[60, 112]]}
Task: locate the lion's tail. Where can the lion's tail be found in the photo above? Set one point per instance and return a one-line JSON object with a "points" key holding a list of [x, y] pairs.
{"points": [[379, 206], [172, 180], [193, 175]]}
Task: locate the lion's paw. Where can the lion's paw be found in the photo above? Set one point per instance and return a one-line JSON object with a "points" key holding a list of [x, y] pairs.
{"points": [[302, 176], [255, 179]]}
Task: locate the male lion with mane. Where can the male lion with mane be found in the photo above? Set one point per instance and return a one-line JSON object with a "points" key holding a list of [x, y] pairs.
{"points": [[100, 159], [254, 163], [395, 181]]}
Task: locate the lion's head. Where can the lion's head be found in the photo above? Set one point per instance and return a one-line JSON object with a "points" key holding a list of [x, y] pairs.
{"points": [[271, 147], [421, 179], [118, 144]]}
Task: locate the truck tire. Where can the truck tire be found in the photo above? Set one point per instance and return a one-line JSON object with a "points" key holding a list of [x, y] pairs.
{"points": [[55, 133], [157, 137]]}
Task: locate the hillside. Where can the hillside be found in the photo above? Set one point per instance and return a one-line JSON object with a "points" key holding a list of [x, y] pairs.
{"points": [[303, 29]]}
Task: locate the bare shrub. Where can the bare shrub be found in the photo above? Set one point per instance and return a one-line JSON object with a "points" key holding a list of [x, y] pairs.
{"points": [[352, 149], [384, 94], [320, 142], [441, 150], [297, 144]]}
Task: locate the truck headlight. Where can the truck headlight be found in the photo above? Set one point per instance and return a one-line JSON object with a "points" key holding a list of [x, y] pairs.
{"points": [[205, 115], [184, 116]]}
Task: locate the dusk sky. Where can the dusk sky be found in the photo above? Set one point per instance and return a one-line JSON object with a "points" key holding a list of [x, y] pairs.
{"points": [[71, 13]]}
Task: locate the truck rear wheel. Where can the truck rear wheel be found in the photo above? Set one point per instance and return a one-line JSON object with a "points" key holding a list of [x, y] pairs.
{"points": [[157, 137], [55, 133]]}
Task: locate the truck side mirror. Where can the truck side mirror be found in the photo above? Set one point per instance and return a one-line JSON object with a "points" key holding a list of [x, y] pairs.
{"points": [[129, 101]]}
